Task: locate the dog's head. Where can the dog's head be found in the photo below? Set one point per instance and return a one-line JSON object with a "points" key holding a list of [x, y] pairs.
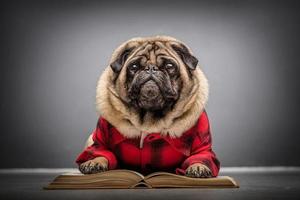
{"points": [[149, 72]]}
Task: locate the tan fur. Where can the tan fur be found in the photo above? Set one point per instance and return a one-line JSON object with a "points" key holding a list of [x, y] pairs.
{"points": [[89, 141], [194, 95]]}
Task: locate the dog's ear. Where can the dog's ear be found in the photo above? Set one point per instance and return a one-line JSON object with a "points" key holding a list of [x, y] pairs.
{"points": [[120, 59], [186, 56]]}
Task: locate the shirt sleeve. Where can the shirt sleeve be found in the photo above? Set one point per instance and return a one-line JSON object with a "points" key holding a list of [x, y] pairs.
{"points": [[201, 150], [100, 147]]}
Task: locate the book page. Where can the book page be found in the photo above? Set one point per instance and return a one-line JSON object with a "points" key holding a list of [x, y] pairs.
{"points": [[164, 179], [108, 179]]}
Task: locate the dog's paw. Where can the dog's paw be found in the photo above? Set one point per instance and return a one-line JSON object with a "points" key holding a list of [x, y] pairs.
{"points": [[99, 164], [198, 170]]}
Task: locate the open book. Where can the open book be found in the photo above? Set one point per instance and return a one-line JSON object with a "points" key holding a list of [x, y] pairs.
{"points": [[122, 178]]}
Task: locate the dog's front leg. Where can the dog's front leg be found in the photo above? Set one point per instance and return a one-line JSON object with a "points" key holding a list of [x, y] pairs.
{"points": [[96, 165], [198, 170]]}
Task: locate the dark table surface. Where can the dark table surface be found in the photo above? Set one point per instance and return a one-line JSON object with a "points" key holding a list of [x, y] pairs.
{"points": [[276, 185]]}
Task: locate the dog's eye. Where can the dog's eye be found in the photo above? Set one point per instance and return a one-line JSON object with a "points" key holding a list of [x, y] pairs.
{"points": [[170, 67], [134, 67]]}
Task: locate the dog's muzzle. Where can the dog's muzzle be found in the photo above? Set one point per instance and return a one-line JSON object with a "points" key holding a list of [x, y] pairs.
{"points": [[150, 90]]}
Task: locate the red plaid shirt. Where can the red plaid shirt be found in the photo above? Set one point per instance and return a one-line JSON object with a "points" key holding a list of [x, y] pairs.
{"points": [[159, 153]]}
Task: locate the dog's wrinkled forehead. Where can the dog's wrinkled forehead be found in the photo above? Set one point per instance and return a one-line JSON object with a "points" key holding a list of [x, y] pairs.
{"points": [[152, 49]]}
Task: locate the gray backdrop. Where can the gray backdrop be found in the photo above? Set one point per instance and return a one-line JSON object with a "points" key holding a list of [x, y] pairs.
{"points": [[53, 52]]}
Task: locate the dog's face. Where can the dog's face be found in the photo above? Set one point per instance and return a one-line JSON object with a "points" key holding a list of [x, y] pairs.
{"points": [[151, 73]]}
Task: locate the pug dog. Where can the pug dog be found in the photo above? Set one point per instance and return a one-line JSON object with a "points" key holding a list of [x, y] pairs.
{"points": [[151, 103]]}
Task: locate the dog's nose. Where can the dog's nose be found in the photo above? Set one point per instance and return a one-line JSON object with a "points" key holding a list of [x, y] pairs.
{"points": [[151, 69]]}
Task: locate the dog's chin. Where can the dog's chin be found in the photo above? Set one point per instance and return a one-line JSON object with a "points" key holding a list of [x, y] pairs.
{"points": [[153, 104]]}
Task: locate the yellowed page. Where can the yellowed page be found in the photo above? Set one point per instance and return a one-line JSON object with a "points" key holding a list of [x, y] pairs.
{"points": [[109, 179], [164, 179]]}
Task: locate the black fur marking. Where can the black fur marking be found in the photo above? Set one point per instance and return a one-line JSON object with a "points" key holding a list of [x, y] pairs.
{"points": [[189, 60], [142, 114], [158, 114], [119, 62]]}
